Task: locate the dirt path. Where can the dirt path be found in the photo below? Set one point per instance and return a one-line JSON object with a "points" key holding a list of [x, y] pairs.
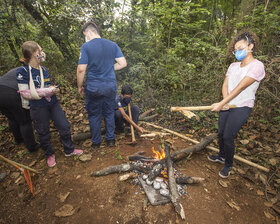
{"points": [[106, 200]]}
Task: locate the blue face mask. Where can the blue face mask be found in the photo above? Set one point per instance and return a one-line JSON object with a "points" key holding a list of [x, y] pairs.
{"points": [[126, 100], [240, 54]]}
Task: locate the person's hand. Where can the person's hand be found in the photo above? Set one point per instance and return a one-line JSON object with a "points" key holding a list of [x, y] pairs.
{"points": [[55, 89], [81, 90], [142, 130], [225, 107], [217, 107]]}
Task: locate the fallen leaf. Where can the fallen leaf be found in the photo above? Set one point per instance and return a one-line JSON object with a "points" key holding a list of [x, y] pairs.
{"points": [[85, 157], [244, 142], [268, 215], [232, 204], [268, 204], [63, 197], [263, 179], [223, 183], [33, 163], [65, 210], [273, 161], [260, 193], [78, 177]]}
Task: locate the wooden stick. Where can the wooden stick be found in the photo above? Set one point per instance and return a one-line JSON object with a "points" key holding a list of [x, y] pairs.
{"points": [[146, 113], [210, 147], [15, 164], [148, 117], [195, 108], [131, 126], [174, 195]]}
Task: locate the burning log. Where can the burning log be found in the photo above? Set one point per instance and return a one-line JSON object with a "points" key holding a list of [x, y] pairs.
{"points": [[189, 180], [119, 169], [154, 173], [174, 195], [176, 156]]}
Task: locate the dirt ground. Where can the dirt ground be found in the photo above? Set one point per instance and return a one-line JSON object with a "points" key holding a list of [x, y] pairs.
{"points": [[106, 200]]}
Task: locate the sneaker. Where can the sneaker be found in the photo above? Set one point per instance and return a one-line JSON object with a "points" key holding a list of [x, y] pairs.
{"points": [[225, 172], [111, 143], [76, 152], [216, 159], [51, 161], [95, 146]]}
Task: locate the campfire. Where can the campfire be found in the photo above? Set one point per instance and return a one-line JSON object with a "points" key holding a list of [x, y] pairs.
{"points": [[161, 182]]}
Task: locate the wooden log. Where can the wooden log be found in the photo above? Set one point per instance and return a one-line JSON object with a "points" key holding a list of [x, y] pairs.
{"points": [[85, 135], [148, 118], [141, 158], [119, 169], [196, 108], [178, 155], [81, 136], [174, 195], [146, 113], [189, 180], [210, 147]]}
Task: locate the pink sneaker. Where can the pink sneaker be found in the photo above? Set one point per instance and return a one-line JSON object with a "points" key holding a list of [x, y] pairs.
{"points": [[76, 152], [51, 161]]}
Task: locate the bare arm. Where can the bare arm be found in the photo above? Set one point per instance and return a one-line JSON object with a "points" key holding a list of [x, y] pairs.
{"points": [[81, 71], [127, 118], [244, 83], [121, 63], [225, 87]]}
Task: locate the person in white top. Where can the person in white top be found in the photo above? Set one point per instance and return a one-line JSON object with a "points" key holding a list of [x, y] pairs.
{"points": [[239, 88]]}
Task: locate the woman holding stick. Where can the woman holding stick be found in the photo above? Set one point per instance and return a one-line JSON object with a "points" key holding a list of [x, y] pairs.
{"points": [[32, 76], [239, 88]]}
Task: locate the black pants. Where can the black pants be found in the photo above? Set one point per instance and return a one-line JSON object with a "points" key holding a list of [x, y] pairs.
{"points": [[19, 120], [230, 122], [120, 120], [41, 117]]}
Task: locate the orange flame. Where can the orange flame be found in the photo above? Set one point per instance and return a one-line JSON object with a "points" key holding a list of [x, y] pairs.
{"points": [[158, 155], [164, 173]]}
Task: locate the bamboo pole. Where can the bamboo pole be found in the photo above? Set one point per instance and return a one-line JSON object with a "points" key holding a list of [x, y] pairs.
{"points": [[210, 147], [17, 164]]}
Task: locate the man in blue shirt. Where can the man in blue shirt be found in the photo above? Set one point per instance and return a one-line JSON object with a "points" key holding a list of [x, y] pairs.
{"points": [[100, 57]]}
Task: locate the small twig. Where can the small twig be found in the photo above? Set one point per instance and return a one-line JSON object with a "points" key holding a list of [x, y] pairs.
{"points": [[267, 183]]}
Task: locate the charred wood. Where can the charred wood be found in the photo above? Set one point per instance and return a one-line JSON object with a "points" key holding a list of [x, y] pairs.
{"points": [[174, 195], [179, 155], [189, 180]]}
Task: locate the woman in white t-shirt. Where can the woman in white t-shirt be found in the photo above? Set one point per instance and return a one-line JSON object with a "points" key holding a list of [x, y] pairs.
{"points": [[239, 88]]}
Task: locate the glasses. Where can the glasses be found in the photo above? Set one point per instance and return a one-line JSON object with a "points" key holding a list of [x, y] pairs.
{"points": [[242, 49]]}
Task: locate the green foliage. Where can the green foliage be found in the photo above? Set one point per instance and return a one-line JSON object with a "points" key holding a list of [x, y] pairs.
{"points": [[176, 50]]}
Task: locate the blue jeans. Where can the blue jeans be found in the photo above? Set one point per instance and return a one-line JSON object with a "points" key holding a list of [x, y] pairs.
{"points": [[41, 117], [119, 118], [98, 106], [230, 122]]}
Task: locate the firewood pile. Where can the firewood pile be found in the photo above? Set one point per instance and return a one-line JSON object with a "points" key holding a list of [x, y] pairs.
{"points": [[161, 182]]}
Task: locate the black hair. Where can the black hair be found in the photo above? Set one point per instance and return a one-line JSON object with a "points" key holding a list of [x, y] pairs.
{"points": [[90, 26], [126, 90]]}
